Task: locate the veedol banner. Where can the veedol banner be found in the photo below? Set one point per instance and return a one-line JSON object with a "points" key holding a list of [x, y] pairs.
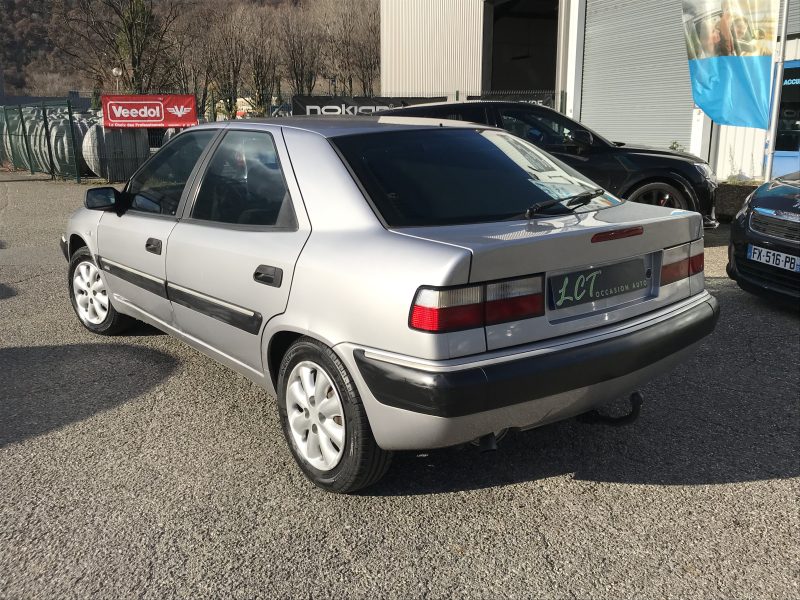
{"points": [[730, 45], [345, 105], [149, 111]]}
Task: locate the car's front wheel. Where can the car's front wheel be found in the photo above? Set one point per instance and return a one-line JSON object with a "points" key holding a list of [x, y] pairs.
{"points": [[324, 421], [90, 298]]}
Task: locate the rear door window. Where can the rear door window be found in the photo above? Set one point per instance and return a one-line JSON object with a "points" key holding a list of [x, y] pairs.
{"points": [[244, 184]]}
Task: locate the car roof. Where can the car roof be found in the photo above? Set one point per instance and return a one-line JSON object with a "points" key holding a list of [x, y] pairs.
{"points": [[338, 126], [462, 102]]}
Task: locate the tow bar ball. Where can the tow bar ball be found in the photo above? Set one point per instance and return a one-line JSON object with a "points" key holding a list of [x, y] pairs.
{"points": [[620, 412]]}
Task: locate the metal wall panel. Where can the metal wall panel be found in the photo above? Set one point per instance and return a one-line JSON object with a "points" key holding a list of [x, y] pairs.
{"points": [[794, 16], [636, 84], [431, 47]]}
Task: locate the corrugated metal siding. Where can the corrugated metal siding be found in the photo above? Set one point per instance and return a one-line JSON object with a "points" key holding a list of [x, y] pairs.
{"points": [[431, 47], [740, 153], [635, 72], [794, 16]]}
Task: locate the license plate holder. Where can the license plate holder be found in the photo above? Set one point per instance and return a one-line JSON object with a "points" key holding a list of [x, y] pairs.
{"points": [[567, 290]]}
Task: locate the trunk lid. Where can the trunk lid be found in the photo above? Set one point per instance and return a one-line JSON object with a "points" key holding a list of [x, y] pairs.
{"points": [[570, 249]]}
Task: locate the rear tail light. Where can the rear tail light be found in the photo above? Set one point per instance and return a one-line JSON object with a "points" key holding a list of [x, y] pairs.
{"points": [[448, 309], [514, 300], [441, 310], [681, 262]]}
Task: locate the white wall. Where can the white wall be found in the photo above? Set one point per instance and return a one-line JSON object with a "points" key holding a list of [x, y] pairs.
{"points": [[431, 47]]}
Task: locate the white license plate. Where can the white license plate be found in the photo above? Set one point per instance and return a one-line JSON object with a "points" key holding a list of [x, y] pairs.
{"points": [[775, 259]]}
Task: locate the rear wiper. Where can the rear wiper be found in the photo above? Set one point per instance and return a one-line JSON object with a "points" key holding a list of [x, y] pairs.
{"points": [[569, 202]]}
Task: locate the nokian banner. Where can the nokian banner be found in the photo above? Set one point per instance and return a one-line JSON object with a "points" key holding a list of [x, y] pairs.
{"points": [[149, 111], [346, 105]]}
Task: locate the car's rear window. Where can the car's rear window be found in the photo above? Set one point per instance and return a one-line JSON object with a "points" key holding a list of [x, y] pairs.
{"points": [[455, 176]]}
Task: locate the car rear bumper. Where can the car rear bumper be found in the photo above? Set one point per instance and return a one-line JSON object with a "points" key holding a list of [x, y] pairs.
{"points": [[433, 406], [62, 242]]}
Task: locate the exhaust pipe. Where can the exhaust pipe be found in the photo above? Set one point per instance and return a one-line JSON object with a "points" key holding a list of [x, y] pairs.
{"points": [[636, 400]]}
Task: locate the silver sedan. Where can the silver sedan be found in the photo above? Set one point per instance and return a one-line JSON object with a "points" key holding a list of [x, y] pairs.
{"points": [[395, 283]]}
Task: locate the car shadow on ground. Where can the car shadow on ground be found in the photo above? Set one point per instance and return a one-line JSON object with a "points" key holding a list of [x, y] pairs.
{"points": [[720, 236], [43, 388], [732, 416]]}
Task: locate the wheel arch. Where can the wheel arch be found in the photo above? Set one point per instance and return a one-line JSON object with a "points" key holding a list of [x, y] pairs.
{"points": [[669, 178], [75, 243], [279, 343]]}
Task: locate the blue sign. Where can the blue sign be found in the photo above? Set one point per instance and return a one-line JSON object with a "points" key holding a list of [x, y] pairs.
{"points": [[730, 44]]}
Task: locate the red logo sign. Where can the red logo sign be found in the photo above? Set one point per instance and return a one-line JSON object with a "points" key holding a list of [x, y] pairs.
{"points": [[149, 111]]}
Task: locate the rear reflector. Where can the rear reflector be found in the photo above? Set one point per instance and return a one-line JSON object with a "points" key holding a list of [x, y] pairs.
{"points": [[441, 310]]}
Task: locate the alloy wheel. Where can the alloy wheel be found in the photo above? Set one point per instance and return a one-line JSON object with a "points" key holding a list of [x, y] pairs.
{"points": [[316, 416], [90, 293]]}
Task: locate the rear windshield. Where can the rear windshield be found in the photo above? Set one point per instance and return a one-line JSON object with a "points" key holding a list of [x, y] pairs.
{"points": [[454, 176]]}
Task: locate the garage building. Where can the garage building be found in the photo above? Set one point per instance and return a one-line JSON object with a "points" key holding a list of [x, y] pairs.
{"points": [[619, 66]]}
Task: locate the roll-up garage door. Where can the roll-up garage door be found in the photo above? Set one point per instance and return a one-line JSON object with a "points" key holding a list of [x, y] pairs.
{"points": [[794, 16], [636, 86]]}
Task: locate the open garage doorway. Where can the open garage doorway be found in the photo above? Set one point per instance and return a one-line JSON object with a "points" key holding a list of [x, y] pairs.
{"points": [[524, 41]]}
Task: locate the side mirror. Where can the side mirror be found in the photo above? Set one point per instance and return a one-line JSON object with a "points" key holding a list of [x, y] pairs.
{"points": [[581, 137], [102, 198]]}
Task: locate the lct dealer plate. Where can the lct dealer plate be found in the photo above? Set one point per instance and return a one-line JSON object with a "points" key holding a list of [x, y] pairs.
{"points": [[596, 284]]}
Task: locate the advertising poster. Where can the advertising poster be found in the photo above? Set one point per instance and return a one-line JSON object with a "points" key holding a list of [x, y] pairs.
{"points": [[171, 110], [730, 44]]}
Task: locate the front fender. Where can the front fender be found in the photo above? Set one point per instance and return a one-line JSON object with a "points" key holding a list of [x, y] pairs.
{"points": [[83, 224]]}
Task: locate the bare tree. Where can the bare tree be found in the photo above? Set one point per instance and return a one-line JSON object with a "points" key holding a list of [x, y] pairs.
{"points": [[262, 60], [367, 63], [338, 22], [190, 55], [134, 35], [227, 47], [301, 44]]}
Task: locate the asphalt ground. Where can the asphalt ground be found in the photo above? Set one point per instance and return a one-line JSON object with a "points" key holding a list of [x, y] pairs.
{"points": [[135, 467]]}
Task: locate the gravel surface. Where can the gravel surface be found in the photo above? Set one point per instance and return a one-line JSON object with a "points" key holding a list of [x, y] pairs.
{"points": [[136, 467]]}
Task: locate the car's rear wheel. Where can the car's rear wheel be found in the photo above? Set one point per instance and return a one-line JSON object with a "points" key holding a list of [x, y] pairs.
{"points": [[324, 421], [660, 194], [90, 298]]}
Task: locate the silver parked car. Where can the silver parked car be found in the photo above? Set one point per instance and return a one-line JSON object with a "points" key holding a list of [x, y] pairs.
{"points": [[394, 283]]}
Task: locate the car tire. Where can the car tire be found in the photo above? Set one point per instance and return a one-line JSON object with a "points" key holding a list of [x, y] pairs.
{"points": [[90, 299], [659, 193], [330, 439]]}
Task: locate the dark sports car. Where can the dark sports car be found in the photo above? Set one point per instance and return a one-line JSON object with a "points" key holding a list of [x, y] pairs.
{"points": [[764, 252], [638, 173]]}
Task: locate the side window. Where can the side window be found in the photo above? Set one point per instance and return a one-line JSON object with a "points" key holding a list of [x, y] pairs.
{"points": [[474, 113], [540, 129], [157, 188], [458, 112], [244, 183]]}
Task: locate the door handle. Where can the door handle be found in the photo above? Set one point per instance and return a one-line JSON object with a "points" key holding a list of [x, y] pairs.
{"points": [[268, 275], [153, 245]]}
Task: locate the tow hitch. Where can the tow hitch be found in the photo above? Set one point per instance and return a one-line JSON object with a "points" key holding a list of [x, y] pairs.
{"points": [[602, 416]]}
